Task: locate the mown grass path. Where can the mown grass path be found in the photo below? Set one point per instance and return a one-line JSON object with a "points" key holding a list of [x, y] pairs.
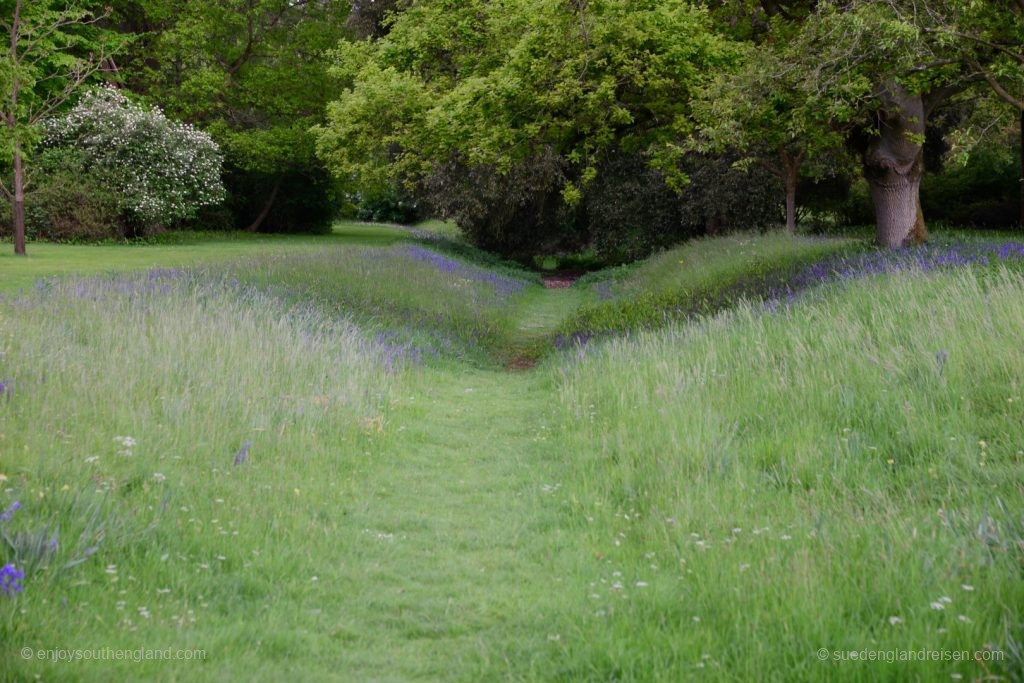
{"points": [[538, 315], [463, 540], [466, 547]]}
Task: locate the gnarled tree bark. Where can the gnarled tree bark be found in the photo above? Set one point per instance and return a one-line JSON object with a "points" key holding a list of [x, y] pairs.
{"points": [[893, 163]]}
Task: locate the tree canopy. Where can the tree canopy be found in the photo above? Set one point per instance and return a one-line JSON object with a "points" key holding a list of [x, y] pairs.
{"points": [[502, 115]]}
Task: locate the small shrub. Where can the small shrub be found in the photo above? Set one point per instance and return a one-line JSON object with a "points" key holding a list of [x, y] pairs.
{"points": [[394, 206]]}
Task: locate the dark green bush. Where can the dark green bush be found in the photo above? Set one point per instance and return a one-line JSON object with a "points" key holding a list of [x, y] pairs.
{"points": [[517, 213], [393, 206], [982, 193], [630, 211], [67, 204], [721, 198]]}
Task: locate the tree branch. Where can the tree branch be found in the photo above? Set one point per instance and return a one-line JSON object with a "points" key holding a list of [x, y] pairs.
{"points": [[978, 39], [997, 86]]}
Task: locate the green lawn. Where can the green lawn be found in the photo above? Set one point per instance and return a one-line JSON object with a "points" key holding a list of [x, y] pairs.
{"points": [[718, 498], [46, 259]]}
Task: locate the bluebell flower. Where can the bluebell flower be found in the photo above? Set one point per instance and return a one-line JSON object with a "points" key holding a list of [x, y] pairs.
{"points": [[10, 580], [242, 456], [9, 512]]}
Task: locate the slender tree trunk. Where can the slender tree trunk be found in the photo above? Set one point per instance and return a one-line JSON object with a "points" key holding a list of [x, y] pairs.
{"points": [[18, 204], [266, 208], [1022, 168], [893, 165], [791, 201], [790, 176], [18, 198]]}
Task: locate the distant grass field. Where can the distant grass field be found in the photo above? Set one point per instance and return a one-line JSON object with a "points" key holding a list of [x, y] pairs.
{"points": [[46, 259], [832, 463]]}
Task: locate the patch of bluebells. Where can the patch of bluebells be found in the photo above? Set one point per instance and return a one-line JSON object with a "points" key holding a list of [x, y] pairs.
{"points": [[5, 389], [10, 576], [504, 285], [103, 287], [782, 289], [6, 515], [395, 352], [604, 291], [921, 259], [11, 580]]}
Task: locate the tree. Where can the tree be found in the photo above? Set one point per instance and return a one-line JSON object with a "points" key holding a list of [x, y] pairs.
{"points": [[471, 87], [53, 49], [757, 112], [253, 74], [990, 40], [878, 69]]}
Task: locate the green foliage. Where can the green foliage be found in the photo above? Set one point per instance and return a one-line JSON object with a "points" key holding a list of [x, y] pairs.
{"points": [[630, 210], [54, 47], [305, 201], [160, 170], [465, 91], [395, 206], [518, 212], [254, 77], [983, 192], [67, 204]]}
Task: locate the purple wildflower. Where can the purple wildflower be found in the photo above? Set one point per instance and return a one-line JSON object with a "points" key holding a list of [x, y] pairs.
{"points": [[604, 290], [9, 512], [922, 259], [504, 285], [10, 580], [242, 456]]}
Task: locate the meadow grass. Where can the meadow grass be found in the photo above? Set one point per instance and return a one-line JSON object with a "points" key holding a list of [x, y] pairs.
{"points": [[716, 499], [422, 302], [126, 401], [844, 474], [698, 277]]}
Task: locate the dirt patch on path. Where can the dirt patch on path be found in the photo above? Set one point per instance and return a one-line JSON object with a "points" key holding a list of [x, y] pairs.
{"points": [[562, 279], [522, 363]]}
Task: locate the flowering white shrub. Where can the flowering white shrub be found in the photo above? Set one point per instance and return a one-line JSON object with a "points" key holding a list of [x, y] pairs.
{"points": [[162, 170]]}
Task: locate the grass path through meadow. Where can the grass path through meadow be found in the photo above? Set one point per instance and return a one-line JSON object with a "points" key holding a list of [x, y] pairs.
{"points": [[466, 531], [465, 542]]}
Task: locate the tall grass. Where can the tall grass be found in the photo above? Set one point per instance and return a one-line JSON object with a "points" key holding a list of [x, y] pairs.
{"points": [[841, 475], [698, 277], [720, 498], [410, 294], [126, 403]]}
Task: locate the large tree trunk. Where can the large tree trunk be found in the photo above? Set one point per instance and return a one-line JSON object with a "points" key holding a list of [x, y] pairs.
{"points": [[893, 165], [18, 204]]}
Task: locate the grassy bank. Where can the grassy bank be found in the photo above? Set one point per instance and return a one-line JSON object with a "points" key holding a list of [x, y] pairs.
{"points": [[721, 497]]}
